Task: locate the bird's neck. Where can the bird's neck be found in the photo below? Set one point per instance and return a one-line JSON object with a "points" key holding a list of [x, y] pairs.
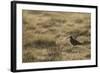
{"points": [[71, 37]]}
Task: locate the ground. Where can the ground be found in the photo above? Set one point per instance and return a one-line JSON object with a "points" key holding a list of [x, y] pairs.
{"points": [[46, 36]]}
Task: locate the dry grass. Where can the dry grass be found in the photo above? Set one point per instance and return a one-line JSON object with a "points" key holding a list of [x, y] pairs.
{"points": [[45, 33]]}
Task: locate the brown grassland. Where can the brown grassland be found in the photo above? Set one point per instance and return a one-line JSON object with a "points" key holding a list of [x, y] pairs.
{"points": [[45, 36]]}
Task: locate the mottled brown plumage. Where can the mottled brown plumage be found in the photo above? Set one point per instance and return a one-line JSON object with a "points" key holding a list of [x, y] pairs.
{"points": [[74, 41]]}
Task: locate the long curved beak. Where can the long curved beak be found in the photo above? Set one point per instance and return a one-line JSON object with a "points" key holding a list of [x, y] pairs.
{"points": [[67, 37]]}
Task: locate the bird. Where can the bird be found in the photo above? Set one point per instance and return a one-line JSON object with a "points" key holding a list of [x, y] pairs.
{"points": [[74, 42]]}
